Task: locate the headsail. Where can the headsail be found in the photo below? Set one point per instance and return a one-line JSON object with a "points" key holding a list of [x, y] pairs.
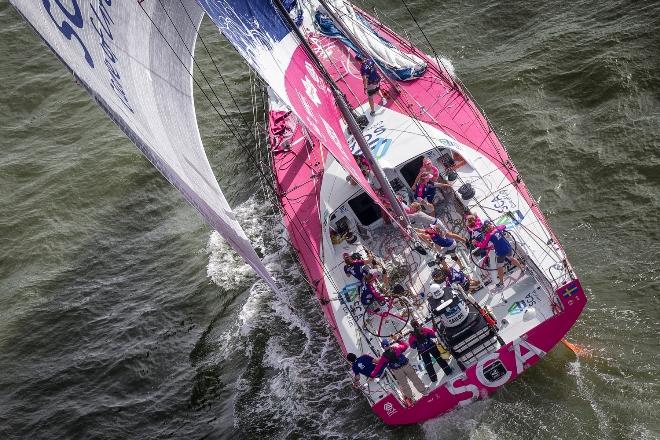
{"points": [[265, 40], [134, 59], [396, 63]]}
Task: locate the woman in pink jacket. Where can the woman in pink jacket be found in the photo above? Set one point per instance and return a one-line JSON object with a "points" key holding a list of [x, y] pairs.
{"points": [[394, 359]]}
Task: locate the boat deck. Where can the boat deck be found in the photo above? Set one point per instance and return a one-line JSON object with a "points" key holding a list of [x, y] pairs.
{"points": [[434, 117]]}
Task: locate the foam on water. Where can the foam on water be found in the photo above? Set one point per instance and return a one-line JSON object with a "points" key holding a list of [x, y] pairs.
{"points": [[96, 345], [300, 362], [449, 66], [586, 392]]}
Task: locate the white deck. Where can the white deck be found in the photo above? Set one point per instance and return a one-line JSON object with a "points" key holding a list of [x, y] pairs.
{"points": [[398, 139]]}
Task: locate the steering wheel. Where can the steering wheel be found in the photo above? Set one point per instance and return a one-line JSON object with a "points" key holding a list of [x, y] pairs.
{"points": [[387, 318], [510, 238]]}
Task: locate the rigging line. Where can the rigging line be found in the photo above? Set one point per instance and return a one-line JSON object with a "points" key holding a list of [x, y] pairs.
{"points": [[328, 57], [222, 118], [543, 244], [444, 76], [342, 104], [478, 202], [435, 54], [193, 78], [216, 110], [489, 125], [430, 139], [409, 39], [298, 228], [199, 86], [199, 35], [192, 55]]}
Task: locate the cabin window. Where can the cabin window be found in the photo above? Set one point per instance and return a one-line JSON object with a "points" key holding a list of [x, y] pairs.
{"points": [[446, 159], [341, 225], [396, 184], [410, 170], [365, 209]]}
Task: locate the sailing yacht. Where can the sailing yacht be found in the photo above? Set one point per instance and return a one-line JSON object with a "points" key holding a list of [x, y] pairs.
{"points": [[136, 61]]}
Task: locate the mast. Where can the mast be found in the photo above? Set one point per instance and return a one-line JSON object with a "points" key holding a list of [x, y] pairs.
{"points": [[349, 117]]}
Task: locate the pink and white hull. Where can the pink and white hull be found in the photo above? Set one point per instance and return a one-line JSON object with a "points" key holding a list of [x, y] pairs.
{"points": [[434, 117]]}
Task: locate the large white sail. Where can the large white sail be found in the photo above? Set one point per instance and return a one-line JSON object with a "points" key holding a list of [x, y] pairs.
{"points": [[134, 58]]}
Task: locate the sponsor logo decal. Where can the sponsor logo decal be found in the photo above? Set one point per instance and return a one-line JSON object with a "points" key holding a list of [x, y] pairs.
{"points": [[389, 408], [491, 372], [517, 307]]}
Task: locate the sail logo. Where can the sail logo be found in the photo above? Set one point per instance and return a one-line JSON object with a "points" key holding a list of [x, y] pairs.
{"points": [[503, 202], [379, 145], [102, 23], [517, 308], [310, 89], [70, 19], [73, 17]]}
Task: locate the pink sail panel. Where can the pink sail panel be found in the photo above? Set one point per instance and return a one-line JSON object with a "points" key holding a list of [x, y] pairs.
{"points": [[259, 33]]}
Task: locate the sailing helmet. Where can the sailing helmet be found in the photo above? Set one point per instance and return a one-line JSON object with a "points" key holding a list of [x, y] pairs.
{"points": [[384, 343], [435, 290], [438, 273], [356, 256]]}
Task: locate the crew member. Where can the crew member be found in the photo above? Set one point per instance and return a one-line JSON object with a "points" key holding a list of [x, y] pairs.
{"points": [[503, 250], [354, 265], [443, 239], [394, 359], [369, 292], [363, 365], [422, 339], [453, 276], [371, 81]]}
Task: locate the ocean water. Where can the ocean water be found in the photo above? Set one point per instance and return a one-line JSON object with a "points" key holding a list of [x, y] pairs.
{"points": [[122, 315]]}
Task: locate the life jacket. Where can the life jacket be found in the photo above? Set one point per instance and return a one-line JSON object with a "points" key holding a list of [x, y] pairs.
{"points": [[368, 69], [422, 341], [425, 191], [355, 269], [456, 276], [368, 294], [439, 239], [393, 361], [502, 245]]}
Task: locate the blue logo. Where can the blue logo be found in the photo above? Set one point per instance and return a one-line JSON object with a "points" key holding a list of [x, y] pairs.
{"points": [[73, 18]]}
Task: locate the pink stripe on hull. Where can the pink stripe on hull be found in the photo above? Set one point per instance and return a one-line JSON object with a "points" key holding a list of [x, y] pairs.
{"points": [[298, 174]]}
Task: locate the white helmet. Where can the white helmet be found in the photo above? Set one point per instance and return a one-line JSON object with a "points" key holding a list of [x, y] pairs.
{"points": [[436, 291]]}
